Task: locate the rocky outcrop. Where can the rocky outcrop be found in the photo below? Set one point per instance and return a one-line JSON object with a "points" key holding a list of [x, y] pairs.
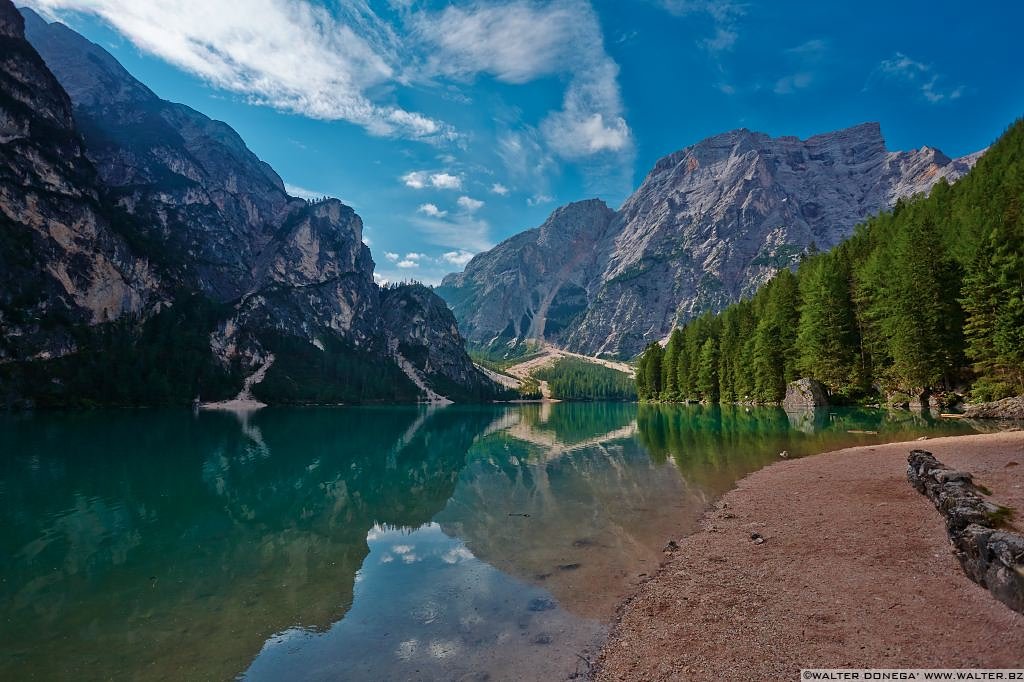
{"points": [[422, 330], [1007, 408], [805, 394], [123, 205], [535, 284], [709, 224], [991, 557], [62, 263], [908, 399]]}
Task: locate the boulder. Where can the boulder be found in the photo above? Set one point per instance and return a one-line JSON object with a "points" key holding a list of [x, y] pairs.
{"points": [[805, 394], [1007, 408], [911, 398]]}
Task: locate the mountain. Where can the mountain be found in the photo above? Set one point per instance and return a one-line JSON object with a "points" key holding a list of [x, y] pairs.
{"points": [[151, 255], [61, 261], [708, 225]]}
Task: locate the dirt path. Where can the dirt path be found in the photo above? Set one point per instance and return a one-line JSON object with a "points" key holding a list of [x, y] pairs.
{"points": [[855, 571]]}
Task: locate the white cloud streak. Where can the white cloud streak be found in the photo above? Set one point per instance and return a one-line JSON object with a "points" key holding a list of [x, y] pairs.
{"points": [[469, 204], [424, 179], [431, 210], [903, 69], [459, 258], [518, 42], [292, 55]]}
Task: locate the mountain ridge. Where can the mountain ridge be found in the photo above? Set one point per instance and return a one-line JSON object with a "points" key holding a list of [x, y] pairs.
{"points": [[709, 224], [196, 249]]}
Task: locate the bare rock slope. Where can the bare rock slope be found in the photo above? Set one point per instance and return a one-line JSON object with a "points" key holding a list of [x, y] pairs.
{"points": [[709, 224]]}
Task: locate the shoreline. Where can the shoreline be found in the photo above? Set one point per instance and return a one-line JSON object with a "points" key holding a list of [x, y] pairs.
{"points": [[854, 570]]}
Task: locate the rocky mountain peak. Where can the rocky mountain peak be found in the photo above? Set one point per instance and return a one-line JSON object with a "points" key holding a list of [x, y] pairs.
{"points": [[575, 221], [12, 25], [710, 223]]}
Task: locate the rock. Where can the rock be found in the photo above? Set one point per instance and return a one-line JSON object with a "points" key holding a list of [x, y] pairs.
{"points": [[805, 394], [757, 538], [990, 556], [908, 399], [709, 224], [672, 546], [1007, 408]]}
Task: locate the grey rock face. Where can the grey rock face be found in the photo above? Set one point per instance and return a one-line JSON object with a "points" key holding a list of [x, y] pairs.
{"points": [[1007, 408], [192, 182], [61, 262], [535, 284], [804, 394], [121, 201], [709, 224]]}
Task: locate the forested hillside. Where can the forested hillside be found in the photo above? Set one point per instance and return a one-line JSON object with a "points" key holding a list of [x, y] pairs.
{"points": [[574, 379], [926, 298]]}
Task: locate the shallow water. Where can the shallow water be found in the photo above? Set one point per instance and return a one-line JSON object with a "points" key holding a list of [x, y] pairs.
{"points": [[360, 543]]}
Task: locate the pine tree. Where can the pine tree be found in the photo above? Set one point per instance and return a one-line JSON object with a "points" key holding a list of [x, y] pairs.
{"points": [[707, 371], [826, 340], [669, 374]]}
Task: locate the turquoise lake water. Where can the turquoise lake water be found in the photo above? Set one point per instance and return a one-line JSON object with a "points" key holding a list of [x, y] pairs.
{"points": [[378, 543]]}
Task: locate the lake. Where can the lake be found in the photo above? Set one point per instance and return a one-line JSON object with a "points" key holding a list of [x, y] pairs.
{"points": [[372, 543]]}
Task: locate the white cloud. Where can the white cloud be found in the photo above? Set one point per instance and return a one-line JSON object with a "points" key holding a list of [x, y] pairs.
{"points": [[432, 210], [538, 199], [393, 257], [415, 256], [406, 264], [499, 189], [903, 69], [520, 41], [424, 179], [292, 55], [459, 258], [461, 232], [446, 181], [724, 16], [469, 204], [302, 192]]}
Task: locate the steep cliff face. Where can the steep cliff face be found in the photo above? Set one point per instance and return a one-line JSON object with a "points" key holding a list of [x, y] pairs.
{"points": [[711, 223], [61, 262], [424, 335], [125, 203], [194, 185], [534, 285]]}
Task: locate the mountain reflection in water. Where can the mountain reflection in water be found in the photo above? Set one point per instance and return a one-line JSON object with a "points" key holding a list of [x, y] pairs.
{"points": [[365, 543]]}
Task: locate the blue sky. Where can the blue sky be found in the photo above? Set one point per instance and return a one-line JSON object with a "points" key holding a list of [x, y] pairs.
{"points": [[450, 126]]}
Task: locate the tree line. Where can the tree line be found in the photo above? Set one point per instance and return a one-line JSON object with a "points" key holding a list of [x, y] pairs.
{"points": [[926, 298], [575, 379]]}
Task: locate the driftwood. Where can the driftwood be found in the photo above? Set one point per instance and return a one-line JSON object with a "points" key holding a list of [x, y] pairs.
{"points": [[990, 556]]}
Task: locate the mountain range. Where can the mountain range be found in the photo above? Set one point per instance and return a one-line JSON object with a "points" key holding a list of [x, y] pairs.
{"points": [[709, 224], [134, 227]]}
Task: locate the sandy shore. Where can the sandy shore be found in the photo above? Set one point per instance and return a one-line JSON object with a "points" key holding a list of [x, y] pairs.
{"points": [[856, 571]]}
